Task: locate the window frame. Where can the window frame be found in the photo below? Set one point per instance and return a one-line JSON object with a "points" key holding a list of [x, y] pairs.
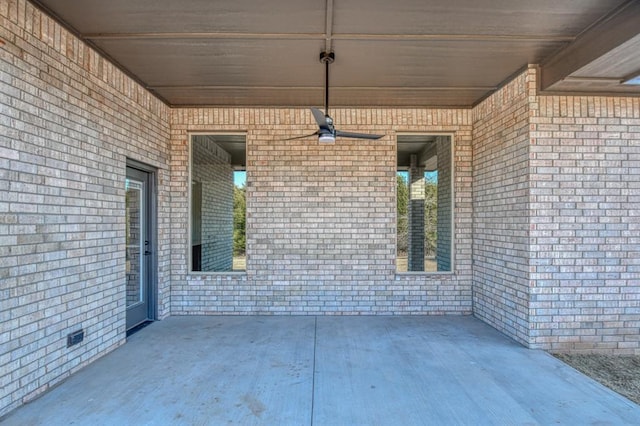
{"points": [[452, 144], [190, 136]]}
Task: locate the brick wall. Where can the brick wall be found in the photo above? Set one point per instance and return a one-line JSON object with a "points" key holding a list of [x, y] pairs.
{"points": [[415, 209], [585, 245], [320, 218], [501, 214], [445, 232], [213, 170], [68, 120], [556, 251]]}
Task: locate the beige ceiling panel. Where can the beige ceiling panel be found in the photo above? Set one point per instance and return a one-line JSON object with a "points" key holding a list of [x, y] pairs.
{"points": [[221, 62], [432, 63], [180, 16], [548, 18]]}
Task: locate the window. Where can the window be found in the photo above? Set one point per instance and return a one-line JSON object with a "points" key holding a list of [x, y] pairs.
{"points": [[218, 202], [424, 198]]}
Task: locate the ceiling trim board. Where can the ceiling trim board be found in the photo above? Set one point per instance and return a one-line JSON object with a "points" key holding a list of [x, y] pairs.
{"points": [[212, 36], [328, 31], [588, 79], [328, 37], [338, 88], [341, 107], [453, 37], [590, 94]]}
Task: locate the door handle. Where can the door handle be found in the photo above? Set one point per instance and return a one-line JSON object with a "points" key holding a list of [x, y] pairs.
{"points": [[146, 246]]}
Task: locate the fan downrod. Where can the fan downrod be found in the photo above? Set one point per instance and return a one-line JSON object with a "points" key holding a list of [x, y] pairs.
{"points": [[326, 58]]}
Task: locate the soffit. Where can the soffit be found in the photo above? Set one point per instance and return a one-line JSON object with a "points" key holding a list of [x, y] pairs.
{"points": [[416, 144], [233, 144], [400, 53]]}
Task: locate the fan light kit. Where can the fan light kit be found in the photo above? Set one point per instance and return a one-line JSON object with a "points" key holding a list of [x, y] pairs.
{"points": [[326, 138], [326, 132]]}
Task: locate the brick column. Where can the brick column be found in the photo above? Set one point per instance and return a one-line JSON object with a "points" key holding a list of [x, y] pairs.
{"points": [[445, 236], [416, 216]]}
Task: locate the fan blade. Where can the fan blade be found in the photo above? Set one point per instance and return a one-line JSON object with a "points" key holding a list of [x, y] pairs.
{"points": [[321, 119], [357, 135], [302, 137]]}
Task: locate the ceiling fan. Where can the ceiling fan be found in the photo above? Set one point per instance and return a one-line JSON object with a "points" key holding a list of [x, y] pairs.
{"points": [[326, 132]]}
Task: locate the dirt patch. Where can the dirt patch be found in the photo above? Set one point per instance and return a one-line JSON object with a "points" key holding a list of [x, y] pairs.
{"points": [[620, 373], [254, 404]]}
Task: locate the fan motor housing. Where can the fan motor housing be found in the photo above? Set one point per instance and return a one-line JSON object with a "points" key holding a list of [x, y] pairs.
{"points": [[327, 57]]}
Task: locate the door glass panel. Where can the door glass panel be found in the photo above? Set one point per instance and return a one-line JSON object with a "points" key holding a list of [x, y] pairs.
{"points": [[134, 241]]}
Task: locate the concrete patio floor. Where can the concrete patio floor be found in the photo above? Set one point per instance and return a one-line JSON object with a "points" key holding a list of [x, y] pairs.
{"points": [[326, 371]]}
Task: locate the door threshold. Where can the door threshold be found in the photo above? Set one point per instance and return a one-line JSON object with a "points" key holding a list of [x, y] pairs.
{"points": [[138, 327]]}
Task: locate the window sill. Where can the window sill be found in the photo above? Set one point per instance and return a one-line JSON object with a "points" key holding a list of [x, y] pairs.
{"points": [[423, 273], [216, 273]]}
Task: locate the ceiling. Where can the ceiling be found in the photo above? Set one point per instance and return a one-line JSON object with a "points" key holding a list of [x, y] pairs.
{"points": [[423, 146], [234, 144], [388, 53]]}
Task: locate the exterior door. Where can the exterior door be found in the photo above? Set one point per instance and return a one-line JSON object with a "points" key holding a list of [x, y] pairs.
{"points": [[139, 247]]}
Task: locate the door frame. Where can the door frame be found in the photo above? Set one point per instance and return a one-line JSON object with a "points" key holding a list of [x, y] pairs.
{"points": [[151, 217]]}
